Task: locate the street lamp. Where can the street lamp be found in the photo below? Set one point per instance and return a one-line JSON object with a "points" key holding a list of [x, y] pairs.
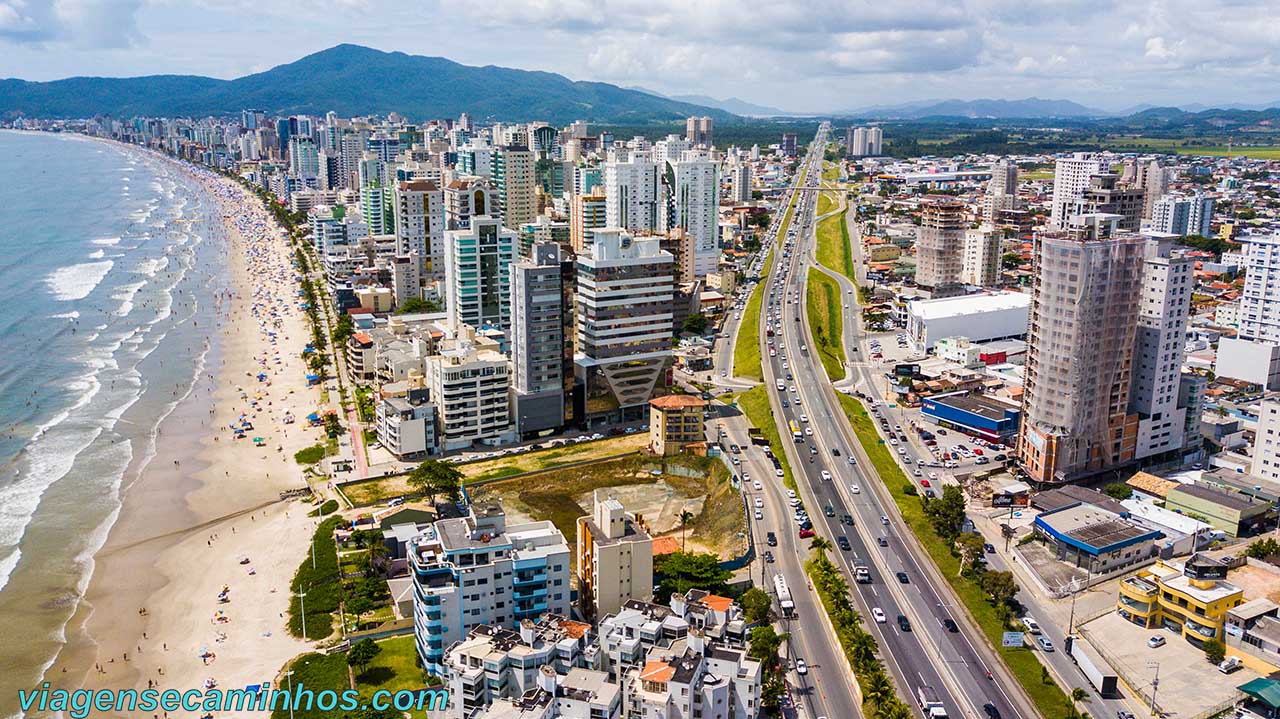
{"points": [[289, 675], [302, 605], [1155, 684]]}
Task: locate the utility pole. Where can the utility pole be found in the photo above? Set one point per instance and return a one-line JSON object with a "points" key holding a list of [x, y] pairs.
{"points": [[302, 604], [1155, 684]]}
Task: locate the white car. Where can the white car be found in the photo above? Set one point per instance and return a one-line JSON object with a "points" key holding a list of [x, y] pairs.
{"points": [[759, 503], [756, 484], [808, 431], [801, 667], [804, 418], [759, 515], [855, 489], [933, 475], [779, 472], [878, 614], [826, 475]]}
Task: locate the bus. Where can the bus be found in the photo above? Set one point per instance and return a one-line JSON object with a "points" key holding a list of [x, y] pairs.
{"points": [[796, 434]]}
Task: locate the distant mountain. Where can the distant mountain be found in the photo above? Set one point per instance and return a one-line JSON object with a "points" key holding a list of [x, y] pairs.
{"points": [[733, 105], [352, 80], [986, 108]]}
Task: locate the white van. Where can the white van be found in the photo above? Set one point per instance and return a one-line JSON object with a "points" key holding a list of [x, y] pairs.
{"points": [[1031, 625]]}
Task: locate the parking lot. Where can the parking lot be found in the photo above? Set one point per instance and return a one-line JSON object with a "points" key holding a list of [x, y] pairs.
{"points": [[1188, 683]]}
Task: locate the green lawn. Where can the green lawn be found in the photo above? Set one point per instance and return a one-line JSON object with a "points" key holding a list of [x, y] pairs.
{"points": [[316, 673], [393, 668], [755, 403], [830, 172], [826, 322], [1048, 697], [835, 251], [825, 203]]}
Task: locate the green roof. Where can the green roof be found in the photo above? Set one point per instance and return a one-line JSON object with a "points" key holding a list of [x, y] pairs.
{"points": [[1264, 690]]}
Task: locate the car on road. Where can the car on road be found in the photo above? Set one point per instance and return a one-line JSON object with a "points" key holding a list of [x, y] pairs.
{"points": [[950, 625], [903, 623], [989, 548], [852, 460], [771, 539], [924, 483], [835, 451], [903, 578], [829, 510], [826, 476], [1156, 642], [847, 520], [735, 461], [990, 710], [882, 541], [801, 667], [779, 472], [1124, 714], [1045, 644], [878, 614], [855, 489], [1032, 626], [884, 519], [768, 557], [756, 484], [759, 503], [806, 533], [759, 515]]}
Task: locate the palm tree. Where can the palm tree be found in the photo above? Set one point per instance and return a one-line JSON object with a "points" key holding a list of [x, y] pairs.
{"points": [[878, 688], [1079, 695], [820, 545], [685, 518]]}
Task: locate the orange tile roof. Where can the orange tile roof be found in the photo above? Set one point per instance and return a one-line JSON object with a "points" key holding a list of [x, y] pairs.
{"points": [[657, 672], [665, 545], [572, 629], [717, 602], [677, 401]]}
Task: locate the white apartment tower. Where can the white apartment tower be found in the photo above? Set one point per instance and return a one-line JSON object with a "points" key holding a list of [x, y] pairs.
{"points": [[513, 176], [696, 204], [419, 224], [478, 275], [1154, 179], [1167, 282], [1070, 179], [1260, 303], [633, 192], [1266, 445], [981, 257], [615, 558], [740, 182], [468, 380]]}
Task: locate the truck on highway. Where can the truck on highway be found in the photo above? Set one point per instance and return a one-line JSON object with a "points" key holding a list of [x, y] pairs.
{"points": [[784, 595], [861, 572], [796, 434], [930, 704], [1091, 665]]}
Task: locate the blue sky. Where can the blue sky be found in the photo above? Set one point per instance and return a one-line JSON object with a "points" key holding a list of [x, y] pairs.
{"points": [[816, 55]]}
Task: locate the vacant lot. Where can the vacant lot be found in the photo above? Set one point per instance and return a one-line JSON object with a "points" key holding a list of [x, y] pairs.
{"points": [[379, 489]]}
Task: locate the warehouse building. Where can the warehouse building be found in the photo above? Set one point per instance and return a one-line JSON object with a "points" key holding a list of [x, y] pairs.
{"points": [[981, 318], [1091, 537], [974, 414]]}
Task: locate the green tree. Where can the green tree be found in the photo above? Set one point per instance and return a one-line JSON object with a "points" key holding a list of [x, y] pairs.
{"points": [[695, 324], [415, 305], [1011, 260], [969, 547], [1263, 548], [946, 513], [682, 571], [1079, 695], [1215, 651], [433, 478], [686, 517], [764, 642], [755, 603], [343, 330], [878, 689], [1118, 490], [359, 605], [361, 654], [820, 545], [1000, 585]]}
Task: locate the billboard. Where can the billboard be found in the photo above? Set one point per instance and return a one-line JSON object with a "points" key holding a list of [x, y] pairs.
{"points": [[906, 370], [1002, 500], [1011, 639]]}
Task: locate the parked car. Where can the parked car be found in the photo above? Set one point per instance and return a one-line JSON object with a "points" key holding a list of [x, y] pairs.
{"points": [[1156, 642]]}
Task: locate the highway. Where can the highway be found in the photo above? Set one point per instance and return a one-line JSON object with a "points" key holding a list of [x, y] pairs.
{"points": [[949, 662]]}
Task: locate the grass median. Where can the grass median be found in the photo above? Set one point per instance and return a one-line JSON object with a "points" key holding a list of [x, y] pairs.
{"points": [[826, 203], [826, 323], [755, 403], [1048, 697], [835, 251]]}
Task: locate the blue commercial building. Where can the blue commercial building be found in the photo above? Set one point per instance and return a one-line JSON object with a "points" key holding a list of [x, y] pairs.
{"points": [[974, 414], [1097, 539]]}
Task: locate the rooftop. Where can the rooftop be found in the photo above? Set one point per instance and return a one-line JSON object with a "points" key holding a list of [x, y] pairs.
{"points": [[1094, 529], [1151, 484], [677, 401], [970, 305], [1230, 500], [980, 405]]}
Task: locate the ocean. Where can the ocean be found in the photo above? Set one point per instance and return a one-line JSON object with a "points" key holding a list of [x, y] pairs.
{"points": [[113, 266]]}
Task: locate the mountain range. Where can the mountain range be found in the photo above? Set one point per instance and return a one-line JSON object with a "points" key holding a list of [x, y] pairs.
{"points": [[983, 108], [351, 80]]}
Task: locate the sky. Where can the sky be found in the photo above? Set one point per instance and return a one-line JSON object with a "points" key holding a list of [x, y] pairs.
{"points": [[798, 55]]}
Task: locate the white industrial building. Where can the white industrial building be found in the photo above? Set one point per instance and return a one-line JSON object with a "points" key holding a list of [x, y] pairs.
{"points": [[983, 317]]}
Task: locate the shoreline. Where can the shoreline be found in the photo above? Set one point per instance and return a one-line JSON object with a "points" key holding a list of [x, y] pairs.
{"points": [[203, 486]]}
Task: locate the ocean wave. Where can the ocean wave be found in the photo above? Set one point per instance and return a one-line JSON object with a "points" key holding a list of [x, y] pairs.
{"points": [[107, 241], [126, 293], [72, 315], [75, 282], [97, 254], [152, 266]]}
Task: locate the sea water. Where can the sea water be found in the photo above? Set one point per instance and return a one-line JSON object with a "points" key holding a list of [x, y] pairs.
{"points": [[111, 265]]}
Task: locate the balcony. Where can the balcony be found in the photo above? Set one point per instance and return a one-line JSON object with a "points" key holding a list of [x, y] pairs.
{"points": [[1138, 588]]}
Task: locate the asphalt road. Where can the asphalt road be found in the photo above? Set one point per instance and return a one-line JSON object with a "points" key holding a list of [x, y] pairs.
{"points": [[948, 662]]}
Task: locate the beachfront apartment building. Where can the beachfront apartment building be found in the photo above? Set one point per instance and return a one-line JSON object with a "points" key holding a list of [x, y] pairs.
{"points": [[476, 570], [477, 275], [406, 426], [513, 177], [469, 383], [615, 557], [626, 288]]}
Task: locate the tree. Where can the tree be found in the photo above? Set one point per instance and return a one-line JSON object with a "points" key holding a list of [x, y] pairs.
{"points": [[433, 478], [765, 641], [1118, 490], [970, 547], [417, 304], [343, 330], [685, 518], [1000, 585], [946, 513], [820, 545], [1011, 260], [878, 688], [1215, 651], [695, 324], [359, 605], [361, 654], [1263, 548], [1079, 695], [755, 605], [682, 571]]}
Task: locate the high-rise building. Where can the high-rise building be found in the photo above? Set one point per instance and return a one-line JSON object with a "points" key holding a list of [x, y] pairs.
{"points": [[788, 148], [1002, 191], [476, 570], [419, 224], [1154, 179], [467, 196], [377, 205], [740, 182], [1182, 216], [1080, 341], [669, 150], [863, 141], [469, 381], [697, 130], [303, 160], [513, 177], [477, 273], [1266, 443], [696, 206], [542, 229], [981, 257], [1105, 196], [940, 244], [539, 373], [587, 212], [625, 294], [1167, 284], [1260, 302], [1071, 177], [615, 558], [633, 190]]}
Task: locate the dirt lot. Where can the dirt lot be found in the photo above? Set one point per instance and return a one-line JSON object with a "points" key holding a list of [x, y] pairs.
{"points": [[1188, 683]]}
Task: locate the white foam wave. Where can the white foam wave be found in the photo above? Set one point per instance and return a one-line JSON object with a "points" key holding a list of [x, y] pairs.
{"points": [[97, 254], [152, 266], [73, 314], [75, 282], [107, 241]]}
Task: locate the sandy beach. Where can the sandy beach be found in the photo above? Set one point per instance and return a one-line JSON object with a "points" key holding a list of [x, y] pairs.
{"points": [[204, 514]]}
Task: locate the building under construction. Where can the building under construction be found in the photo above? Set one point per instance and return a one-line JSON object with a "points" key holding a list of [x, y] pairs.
{"points": [[1084, 311]]}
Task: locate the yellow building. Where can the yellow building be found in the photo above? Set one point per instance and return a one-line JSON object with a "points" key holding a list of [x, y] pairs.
{"points": [[1191, 598], [675, 421], [615, 558]]}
